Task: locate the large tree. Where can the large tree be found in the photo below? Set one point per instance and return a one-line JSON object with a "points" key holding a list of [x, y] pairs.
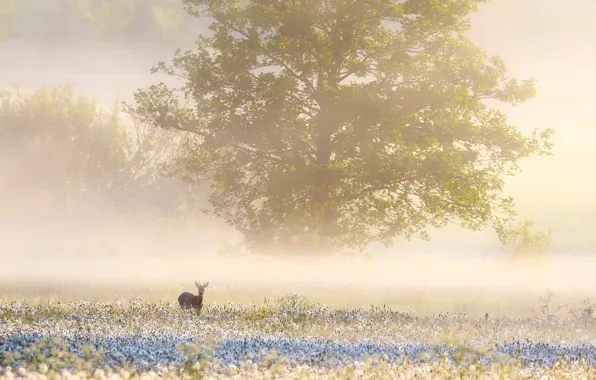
{"points": [[337, 123]]}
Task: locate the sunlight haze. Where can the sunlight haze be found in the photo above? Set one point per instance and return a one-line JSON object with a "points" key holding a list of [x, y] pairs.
{"points": [[535, 39]]}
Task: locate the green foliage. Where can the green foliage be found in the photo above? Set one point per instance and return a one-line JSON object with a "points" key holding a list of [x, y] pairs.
{"points": [[106, 18], [169, 17], [39, 20], [232, 250], [86, 146], [197, 359], [90, 21], [522, 240], [326, 125], [7, 18], [65, 149]]}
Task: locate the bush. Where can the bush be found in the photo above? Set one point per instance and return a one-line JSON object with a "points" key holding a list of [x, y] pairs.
{"points": [[62, 154], [522, 240]]}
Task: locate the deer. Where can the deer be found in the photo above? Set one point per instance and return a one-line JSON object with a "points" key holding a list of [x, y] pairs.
{"points": [[190, 301]]}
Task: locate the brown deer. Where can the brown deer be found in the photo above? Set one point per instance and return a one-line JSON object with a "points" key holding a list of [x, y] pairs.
{"points": [[190, 301]]}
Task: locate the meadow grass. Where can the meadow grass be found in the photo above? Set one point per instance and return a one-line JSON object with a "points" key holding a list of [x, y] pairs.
{"points": [[423, 302], [66, 330]]}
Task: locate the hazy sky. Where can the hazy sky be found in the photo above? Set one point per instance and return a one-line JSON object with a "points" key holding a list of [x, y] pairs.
{"points": [[555, 42], [551, 40]]}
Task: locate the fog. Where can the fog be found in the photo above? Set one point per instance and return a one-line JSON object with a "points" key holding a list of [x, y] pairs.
{"points": [[96, 246]]}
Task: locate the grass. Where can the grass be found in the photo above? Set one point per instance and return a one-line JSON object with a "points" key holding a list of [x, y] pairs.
{"points": [[111, 336], [475, 303]]}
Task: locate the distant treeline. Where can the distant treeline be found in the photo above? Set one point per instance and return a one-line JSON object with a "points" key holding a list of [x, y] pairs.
{"points": [[96, 21], [60, 154]]}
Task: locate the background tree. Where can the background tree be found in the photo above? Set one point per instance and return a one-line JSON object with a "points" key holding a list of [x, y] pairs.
{"points": [[332, 124], [154, 22], [149, 176], [106, 19], [33, 18], [521, 240], [170, 19], [8, 18], [55, 142], [66, 148]]}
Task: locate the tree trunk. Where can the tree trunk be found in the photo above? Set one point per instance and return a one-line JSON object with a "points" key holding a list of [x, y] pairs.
{"points": [[325, 217]]}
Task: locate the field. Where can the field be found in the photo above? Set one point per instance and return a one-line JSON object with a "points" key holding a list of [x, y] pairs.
{"points": [[97, 246], [50, 332]]}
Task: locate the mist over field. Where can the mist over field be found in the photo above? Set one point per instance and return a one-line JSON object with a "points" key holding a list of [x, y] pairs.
{"points": [[245, 189], [97, 244]]}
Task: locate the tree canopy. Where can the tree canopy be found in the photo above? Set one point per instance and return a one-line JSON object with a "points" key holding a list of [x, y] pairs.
{"points": [[337, 123]]}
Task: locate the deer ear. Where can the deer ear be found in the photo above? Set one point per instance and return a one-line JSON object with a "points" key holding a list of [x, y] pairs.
{"points": [[206, 284], [197, 284]]}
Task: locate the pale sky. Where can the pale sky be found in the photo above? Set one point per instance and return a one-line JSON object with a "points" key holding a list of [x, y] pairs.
{"points": [[555, 42]]}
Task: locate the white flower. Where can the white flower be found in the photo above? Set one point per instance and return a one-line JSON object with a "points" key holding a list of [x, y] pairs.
{"points": [[99, 374], [43, 368]]}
